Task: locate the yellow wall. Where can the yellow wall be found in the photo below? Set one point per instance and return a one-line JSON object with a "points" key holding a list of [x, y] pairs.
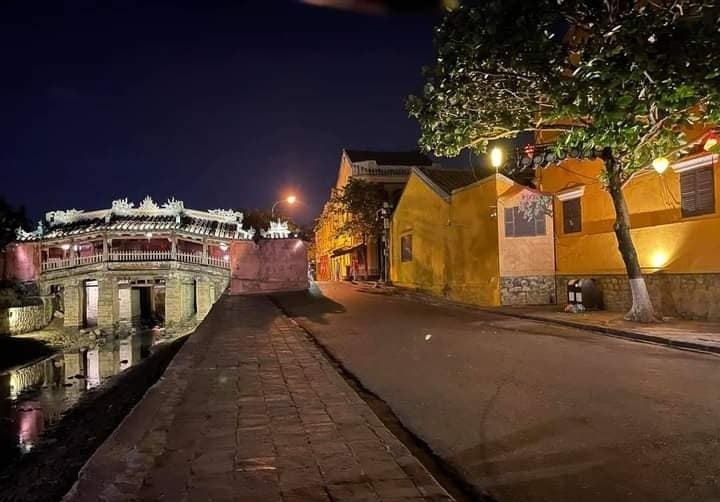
{"points": [[459, 246], [522, 256], [665, 241], [423, 214], [473, 257]]}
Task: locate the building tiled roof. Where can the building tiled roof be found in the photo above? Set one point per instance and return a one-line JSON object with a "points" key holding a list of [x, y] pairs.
{"points": [[410, 158], [448, 180]]}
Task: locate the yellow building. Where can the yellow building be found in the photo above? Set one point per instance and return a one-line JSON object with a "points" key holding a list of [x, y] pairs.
{"points": [[336, 255], [465, 239], [675, 228]]}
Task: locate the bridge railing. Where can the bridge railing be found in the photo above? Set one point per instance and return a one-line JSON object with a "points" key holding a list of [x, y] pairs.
{"points": [[51, 264]]}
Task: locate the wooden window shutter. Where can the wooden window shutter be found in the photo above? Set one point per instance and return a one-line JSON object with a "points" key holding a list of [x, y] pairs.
{"points": [[697, 192], [572, 216], [509, 222]]}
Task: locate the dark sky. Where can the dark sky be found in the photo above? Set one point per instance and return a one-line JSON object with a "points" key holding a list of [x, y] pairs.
{"points": [[218, 104]]}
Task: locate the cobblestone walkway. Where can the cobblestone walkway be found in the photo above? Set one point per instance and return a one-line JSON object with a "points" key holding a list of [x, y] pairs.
{"points": [[251, 410]]}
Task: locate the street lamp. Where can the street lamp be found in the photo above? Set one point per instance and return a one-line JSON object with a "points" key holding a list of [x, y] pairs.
{"points": [[496, 158], [290, 200]]}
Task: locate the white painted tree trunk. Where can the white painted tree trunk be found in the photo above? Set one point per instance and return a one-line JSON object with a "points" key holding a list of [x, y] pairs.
{"points": [[642, 309]]}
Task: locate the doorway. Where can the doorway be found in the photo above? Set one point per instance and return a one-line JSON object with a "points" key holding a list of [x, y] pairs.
{"points": [[90, 303], [147, 303]]}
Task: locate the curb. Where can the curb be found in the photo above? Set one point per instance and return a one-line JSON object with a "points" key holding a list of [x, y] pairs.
{"points": [[604, 330], [619, 333]]}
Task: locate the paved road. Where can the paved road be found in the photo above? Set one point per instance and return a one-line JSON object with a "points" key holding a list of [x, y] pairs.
{"points": [[528, 411]]}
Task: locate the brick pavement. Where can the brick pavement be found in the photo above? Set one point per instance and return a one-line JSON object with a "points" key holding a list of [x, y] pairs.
{"points": [[251, 410]]}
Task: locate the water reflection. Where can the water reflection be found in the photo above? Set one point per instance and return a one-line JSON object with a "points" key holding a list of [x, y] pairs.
{"points": [[35, 396]]}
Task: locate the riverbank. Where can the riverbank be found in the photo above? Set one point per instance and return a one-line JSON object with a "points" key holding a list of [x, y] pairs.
{"points": [[16, 351], [47, 472]]}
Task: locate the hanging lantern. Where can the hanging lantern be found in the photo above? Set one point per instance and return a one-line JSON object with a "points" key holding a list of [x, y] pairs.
{"points": [[660, 164]]}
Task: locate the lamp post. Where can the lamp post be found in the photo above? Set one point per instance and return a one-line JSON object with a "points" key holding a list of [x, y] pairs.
{"points": [[384, 215], [290, 200]]}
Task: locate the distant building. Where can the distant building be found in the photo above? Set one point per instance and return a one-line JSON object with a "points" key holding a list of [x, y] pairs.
{"points": [[336, 255]]}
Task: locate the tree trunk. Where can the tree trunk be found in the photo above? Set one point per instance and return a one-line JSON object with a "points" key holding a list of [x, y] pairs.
{"points": [[642, 309], [363, 257]]}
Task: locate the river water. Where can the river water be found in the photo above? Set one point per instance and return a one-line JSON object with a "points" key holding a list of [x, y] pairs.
{"points": [[35, 396]]}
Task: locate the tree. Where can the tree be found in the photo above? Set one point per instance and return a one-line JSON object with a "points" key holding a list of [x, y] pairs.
{"points": [[11, 219], [622, 80], [259, 219], [357, 204]]}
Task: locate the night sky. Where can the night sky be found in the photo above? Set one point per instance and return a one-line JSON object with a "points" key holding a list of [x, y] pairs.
{"points": [[218, 104]]}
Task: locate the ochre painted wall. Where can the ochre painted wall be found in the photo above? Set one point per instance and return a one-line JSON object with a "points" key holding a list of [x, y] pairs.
{"points": [[524, 256], [665, 241], [473, 264], [422, 213], [457, 244]]}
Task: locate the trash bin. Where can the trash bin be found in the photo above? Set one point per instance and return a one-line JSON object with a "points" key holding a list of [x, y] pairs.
{"points": [[574, 291], [585, 292]]}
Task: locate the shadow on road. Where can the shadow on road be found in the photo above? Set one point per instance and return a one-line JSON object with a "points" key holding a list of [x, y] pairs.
{"points": [[311, 304]]}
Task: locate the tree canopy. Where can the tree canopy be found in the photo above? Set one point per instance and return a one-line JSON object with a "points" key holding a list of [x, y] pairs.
{"points": [[358, 203], [626, 75], [11, 218], [625, 81], [259, 219]]}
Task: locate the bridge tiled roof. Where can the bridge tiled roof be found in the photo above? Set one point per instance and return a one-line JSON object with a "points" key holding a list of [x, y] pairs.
{"points": [[125, 218]]}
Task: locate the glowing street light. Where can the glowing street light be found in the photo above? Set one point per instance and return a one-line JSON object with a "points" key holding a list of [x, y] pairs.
{"points": [[291, 199], [496, 157], [660, 164]]}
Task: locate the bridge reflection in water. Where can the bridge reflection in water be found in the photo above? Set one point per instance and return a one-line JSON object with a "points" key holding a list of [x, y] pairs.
{"points": [[35, 396]]}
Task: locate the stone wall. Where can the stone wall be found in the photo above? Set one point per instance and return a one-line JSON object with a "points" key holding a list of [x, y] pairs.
{"points": [[16, 320], [527, 290], [688, 296], [267, 266]]}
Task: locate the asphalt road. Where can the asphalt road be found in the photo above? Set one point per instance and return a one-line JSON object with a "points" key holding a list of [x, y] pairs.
{"points": [[528, 411]]}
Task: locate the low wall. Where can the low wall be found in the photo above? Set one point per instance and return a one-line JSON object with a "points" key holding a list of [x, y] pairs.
{"points": [[527, 290], [16, 320], [688, 296], [268, 266]]}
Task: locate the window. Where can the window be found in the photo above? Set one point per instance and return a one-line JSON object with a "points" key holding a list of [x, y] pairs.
{"points": [[697, 192], [572, 216], [517, 225], [406, 248]]}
